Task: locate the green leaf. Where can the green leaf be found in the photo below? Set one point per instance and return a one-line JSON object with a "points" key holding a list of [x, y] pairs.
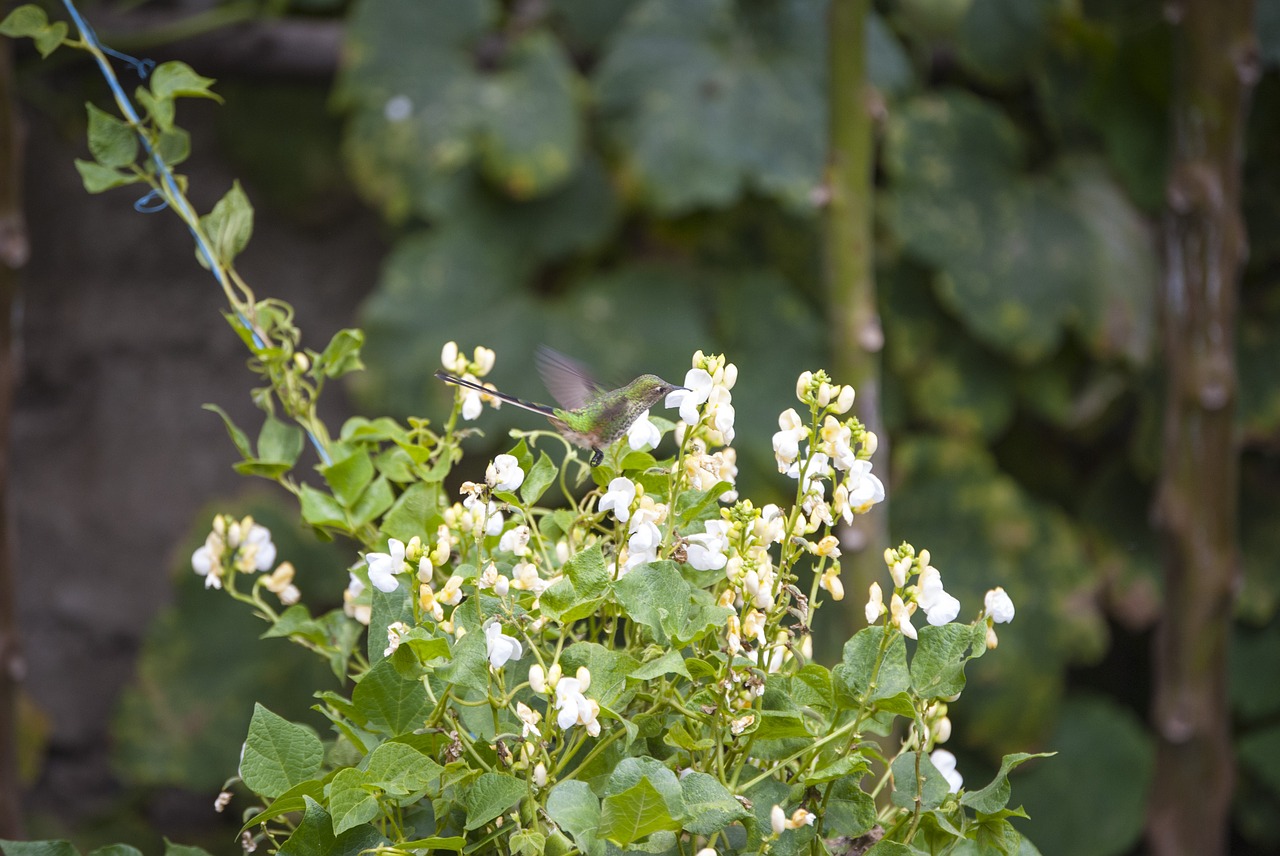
{"points": [[349, 477], [670, 663], [321, 509], [709, 807], [35, 848], [538, 480], [931, 785], [315, 835], [291, 800], [279, 442], [412, 512], [526, 842], [177, 79], [238, 437], [578, 593], [112, 142], [97, 178], [278, 754], [576, 810], [342, 354], [995, 796], [491, 795], [400, 769], [642, 797], [657, 596], [376, 499], [937, 669], [160, 110], [351, 801], [31, 21], [116, 850], [391, 701], [470, 664], [851, 680], [228, 226], [173, 146], [850, 811]]}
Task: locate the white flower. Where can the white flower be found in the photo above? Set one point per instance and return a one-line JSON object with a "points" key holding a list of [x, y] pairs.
{"points": [[472, 404], [396, 631], [451, 594], [643, 434], [645, 538], [697, 390], [900, 615], [802, 385], [742, 723], [940, 607], [723, 412], [845, 400], [875, 604], [815, 470], [574, 708], [945, 762], [540, 775], [537, 678], [383, 567], [800, 818], [361, 612], [280, 583], [257, 550], [865, 489], [205, 565], [484, 359], [706, 551], [529, 719], [501, 647], [831, 582], [449, 357], [491, 579], [786, 443], [998, 605], [504, 473], [618, 498], [493, 520], [515, 541]]}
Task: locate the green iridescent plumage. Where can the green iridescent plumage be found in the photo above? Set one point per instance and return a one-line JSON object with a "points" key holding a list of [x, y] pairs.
{"points": [[590, 416]]}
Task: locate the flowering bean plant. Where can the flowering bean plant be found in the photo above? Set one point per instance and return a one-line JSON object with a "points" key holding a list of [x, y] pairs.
{"points": [[565, 659], [560, 658]]}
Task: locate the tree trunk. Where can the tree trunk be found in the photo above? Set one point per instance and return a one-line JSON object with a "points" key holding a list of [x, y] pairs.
{"points": [[1215, 66], [856, 336]]}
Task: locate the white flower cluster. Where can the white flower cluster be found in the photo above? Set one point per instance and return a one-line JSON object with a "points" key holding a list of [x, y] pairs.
{"points": [[480, 364], [830, 446], [570, 702], [643, 516], [242, 546], [927, 594], [706, 410]]}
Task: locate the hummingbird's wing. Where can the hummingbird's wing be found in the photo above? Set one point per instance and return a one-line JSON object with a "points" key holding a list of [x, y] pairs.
{"points": [[568, 381]]}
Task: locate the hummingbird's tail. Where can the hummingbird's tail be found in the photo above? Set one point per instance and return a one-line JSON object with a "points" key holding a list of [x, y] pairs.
{"points": [[502, 396]]}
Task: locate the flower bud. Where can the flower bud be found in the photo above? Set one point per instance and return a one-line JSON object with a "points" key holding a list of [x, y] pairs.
{"points": [[584, 678], [449, 356], [301, 361], [870, 442], [540, 775], [484, 360], [992, 639], [730, 376], [802, 384], [824, 394], [844, 403], [777, 819]]}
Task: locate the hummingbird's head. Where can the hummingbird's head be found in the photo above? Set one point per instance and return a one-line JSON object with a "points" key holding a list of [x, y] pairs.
{"points": [[650, 389]]}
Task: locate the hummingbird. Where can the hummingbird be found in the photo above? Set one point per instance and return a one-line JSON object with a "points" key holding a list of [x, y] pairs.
{"points": [[589, 415]]}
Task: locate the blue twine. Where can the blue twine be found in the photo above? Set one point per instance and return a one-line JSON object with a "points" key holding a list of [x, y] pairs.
{"points": [[165, 174], [151, 203]]}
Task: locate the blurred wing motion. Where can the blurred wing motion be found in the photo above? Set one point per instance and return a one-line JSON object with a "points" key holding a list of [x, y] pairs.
{"points": [[566, 379]]}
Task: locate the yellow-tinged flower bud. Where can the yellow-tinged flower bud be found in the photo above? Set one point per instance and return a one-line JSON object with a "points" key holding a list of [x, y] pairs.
{"points": [[301, 361], [992, 639]]}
